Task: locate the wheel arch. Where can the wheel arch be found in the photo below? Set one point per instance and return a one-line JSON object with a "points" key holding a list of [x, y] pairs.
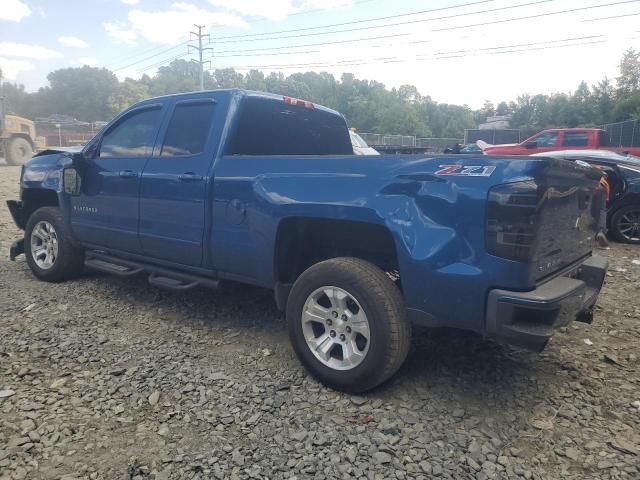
{"points": [[302, 241]]}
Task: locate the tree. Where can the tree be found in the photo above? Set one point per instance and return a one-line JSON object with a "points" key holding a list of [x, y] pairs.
{"points": [[79, 92], [126, 94], [629, 79], [179, 76], [603, 97]]}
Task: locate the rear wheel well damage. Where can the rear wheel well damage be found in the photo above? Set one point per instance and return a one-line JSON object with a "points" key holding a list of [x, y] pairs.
{"points": [[302, 242]]}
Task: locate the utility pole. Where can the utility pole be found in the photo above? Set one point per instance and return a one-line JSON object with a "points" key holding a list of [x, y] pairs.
{"points": [[199, 35]]}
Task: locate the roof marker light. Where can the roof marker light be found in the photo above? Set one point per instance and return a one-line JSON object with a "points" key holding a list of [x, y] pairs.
{"points": [[297, 101]]}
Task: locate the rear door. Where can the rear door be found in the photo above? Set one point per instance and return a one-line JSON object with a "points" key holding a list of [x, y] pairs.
{"points": [[575, 140], [174, 185], [106, 213]]}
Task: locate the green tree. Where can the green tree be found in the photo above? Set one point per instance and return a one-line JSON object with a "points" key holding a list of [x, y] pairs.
{"points": [[82, 93], [629, 79], [126, 94]]}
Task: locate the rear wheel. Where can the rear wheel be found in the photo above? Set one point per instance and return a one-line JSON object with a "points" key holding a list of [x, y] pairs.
{"points": [[48, 248], [347, 324], [18, 151], [625, 224]]}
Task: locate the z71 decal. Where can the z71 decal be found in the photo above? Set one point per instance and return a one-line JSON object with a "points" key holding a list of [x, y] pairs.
{"points": [[468, 171]]}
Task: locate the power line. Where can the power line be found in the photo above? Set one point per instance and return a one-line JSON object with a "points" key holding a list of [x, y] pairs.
{"points": [[317, 44], [538, 15], [148, 58], [610, 18], [486, 51], [516, 45], [144, 52], [435, 30], [162, 62], [358, 21]]}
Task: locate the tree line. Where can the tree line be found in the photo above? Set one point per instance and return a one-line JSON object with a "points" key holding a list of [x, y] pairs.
{"points": [[92, 94]]}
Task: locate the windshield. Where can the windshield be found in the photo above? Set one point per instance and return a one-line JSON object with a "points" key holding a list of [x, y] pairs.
{"points": [[357, 141]]}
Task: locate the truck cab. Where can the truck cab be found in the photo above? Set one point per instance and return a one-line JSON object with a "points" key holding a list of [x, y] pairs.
{"points": [[231, 185]]}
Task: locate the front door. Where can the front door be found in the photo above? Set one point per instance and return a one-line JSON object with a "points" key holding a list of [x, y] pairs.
{"points": [[106, 213], [174, 185]]}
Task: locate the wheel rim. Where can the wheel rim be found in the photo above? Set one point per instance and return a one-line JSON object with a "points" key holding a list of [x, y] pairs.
{"points": [[629, 225], [44, 245], [336, 328]]}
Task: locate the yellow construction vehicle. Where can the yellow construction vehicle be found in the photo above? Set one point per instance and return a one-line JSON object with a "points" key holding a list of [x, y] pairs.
{"points": [[17, 138]]}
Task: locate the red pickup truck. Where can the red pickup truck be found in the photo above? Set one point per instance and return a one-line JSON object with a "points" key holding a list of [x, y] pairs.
{"points": [[559, 139]]}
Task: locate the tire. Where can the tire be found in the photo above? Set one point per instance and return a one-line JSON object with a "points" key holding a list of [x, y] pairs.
{"points": [[372, 299], [65, 260], [625, 224], [18, 151]]}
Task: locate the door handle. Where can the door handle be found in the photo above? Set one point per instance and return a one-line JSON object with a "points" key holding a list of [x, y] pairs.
{"points": [[128, 174], [190, 177]]}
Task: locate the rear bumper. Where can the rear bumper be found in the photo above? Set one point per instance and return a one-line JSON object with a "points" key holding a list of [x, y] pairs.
{"points": [[528, 319]]}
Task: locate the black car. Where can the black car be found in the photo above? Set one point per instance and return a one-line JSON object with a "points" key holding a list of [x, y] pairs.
{"points": [[623, 175], [469, 149]]}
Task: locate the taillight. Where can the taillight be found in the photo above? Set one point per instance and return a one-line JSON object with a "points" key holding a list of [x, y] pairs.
{"points": [[512, 220]]}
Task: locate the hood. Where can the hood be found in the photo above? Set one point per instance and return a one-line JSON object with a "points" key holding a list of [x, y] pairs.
{"points": [[49, 151]]}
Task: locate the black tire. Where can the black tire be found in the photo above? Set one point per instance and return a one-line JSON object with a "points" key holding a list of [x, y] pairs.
{"points": [[69, 261], [382, 302], [619, 222], [18, 151]]}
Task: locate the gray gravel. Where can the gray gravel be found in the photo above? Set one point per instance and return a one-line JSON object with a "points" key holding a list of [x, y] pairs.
{"points": [[105, 378]]}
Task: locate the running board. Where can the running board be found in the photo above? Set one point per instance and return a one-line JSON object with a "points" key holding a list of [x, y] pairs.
{"points": [[169, 283], [158, 276]]}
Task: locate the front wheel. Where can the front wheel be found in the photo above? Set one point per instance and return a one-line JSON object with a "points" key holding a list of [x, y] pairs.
{"points": [[347, 324], [47, 246], [625, 224]]}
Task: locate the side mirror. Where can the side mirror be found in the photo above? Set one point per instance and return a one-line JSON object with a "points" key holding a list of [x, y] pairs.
{"points": [[531, 144], [71, 181]]}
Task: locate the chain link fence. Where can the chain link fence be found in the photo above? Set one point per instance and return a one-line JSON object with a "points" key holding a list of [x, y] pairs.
{"points": [[408, 141], [623, 134]]}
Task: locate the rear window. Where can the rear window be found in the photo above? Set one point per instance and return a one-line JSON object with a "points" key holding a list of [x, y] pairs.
{"points": [[272, 127]]}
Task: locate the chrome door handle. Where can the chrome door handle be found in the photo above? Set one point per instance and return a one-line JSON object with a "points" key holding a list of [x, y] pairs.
{"points": [[128, 174], [190, 177]]}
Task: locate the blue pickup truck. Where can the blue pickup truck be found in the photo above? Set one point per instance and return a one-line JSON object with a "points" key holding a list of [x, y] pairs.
{"points": [[196, 188]]}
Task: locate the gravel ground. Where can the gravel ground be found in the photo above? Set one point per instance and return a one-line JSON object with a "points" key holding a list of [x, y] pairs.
{"points": [[108, 378]]}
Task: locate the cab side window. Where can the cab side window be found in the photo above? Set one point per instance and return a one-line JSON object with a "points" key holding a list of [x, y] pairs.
{"points": [[548, 139], [575, 139], [188, 129], [132, 137]]}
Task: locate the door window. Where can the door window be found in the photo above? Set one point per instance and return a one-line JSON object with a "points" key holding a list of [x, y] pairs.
{"points": [[547, 139], [188, 129], [575, 139], [132, 137]]}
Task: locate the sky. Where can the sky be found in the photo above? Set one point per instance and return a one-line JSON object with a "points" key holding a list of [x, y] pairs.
{"points": [[455, 51]]}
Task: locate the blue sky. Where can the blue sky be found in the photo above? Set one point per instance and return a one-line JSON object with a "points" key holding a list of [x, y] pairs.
{"points": [[458, 51]]}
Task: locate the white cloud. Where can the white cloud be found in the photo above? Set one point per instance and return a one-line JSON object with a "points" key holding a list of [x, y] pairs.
{"points": [[120, 31], [91, 61], [73, 42], [14, 10], [277, 9], [22, 50], [11, 68], [168, 26], [130, 2]]}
